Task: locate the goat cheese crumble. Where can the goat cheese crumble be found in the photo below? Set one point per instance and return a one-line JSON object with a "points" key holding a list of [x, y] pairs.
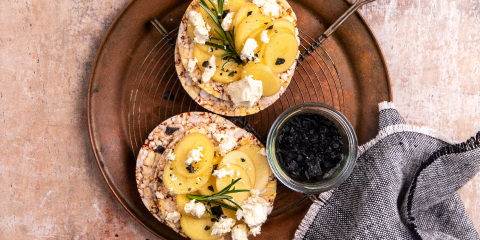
{"points": [[173, 217], [202, 29], [222, 173], [209, 70], [170, 156], [264, 37], [195, 209], [224, 226], [262, 152], [191, 64], [240, 232], [246, 92], [195, 155], [228, 21], [254, 213], [227, 143], [268, 7], [248, 51]]}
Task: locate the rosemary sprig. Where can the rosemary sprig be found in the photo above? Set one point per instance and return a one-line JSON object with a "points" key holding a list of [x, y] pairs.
{"points": [[226, 38], [220, 196]]}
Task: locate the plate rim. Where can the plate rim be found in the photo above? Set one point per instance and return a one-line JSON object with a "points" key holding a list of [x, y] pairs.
{"points": [[90, 91]]}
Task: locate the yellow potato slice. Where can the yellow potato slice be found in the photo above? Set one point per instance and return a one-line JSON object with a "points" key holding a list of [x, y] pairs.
{"points": [[271, 83], [262, 169], [215, 51], [247, 26], [224, 75], [189, 142], [238, 172], [243, 12], [190, 29], [243, 160], [194, 228], [183, 185], [281, 52], [235, 5], [282, 23], [206, 189]]}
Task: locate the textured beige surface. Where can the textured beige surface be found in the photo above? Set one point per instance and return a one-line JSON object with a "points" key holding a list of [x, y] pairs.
{"points": [[50, 186]]}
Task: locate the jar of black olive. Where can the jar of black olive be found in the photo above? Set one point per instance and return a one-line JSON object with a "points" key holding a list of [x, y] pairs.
{"points": [[312, 148]]}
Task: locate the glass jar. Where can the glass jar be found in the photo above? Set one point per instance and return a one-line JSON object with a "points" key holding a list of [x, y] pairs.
{"points": [[332, 178]]}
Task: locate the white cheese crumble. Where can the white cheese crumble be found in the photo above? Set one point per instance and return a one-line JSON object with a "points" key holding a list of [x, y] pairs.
{"points": [[174, 178], [246, 92], [201, 28], [255, 211], [196, 209], [192, 64], [195, 155], [228, 21], [227, 143], [264, 37], [262, 152], [160, 195], [173, 217], [240, 232], [224, 226], [268, 7], [170, 155], [248, 51], [209, 70], [238, 173], [222, 173]]}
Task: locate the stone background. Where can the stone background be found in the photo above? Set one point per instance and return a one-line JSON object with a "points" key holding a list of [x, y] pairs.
{"points": [[50, 185]]}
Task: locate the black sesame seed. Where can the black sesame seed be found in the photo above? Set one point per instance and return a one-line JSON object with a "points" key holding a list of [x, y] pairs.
{"points": [[217, 211], [225, 12], [180, 184], [231, 74], [280, 61], [269, 28], [116, 235], [190, 168], [215, 166], [205, 64], [160, 149], [276, 31], [211, 188], [171, 169], [160, 180], [207, 228], [243, 159], [221, 74], [249, 13], [189, 189], [169, 131]]}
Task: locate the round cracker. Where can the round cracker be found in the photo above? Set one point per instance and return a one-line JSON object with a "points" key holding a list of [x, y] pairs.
{"points": [[212, 95], [164, 134], [168, 203]]}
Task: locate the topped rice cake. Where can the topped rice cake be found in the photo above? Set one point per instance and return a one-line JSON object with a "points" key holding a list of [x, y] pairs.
{"points": [[240, 62]]}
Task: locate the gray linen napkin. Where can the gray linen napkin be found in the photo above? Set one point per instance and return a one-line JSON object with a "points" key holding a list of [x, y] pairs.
{"points": [[404, 186]]}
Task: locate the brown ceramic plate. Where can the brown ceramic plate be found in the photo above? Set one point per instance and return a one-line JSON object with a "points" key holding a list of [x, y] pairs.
{"points": [[133, 75]]}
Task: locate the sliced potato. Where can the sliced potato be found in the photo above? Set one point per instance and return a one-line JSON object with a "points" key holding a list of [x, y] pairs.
{"points": [[207, 188], [243, 160], [281, 51], [183, 185], [189, 142], [190, 29], [282, 23], [234, 5], [195, 228], [262, 169], [271, 83], [247, 26], [215, 51], [244, 12], [201, 56], [230, 73], [238, 172]]}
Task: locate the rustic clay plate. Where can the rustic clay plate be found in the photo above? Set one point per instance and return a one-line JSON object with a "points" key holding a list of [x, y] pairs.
{"points": [[134, 87]]}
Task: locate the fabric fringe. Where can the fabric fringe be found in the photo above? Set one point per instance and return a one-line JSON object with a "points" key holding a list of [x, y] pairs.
{"points": [[311, 214], [386, 105], [471, 144], [389, 130]]}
